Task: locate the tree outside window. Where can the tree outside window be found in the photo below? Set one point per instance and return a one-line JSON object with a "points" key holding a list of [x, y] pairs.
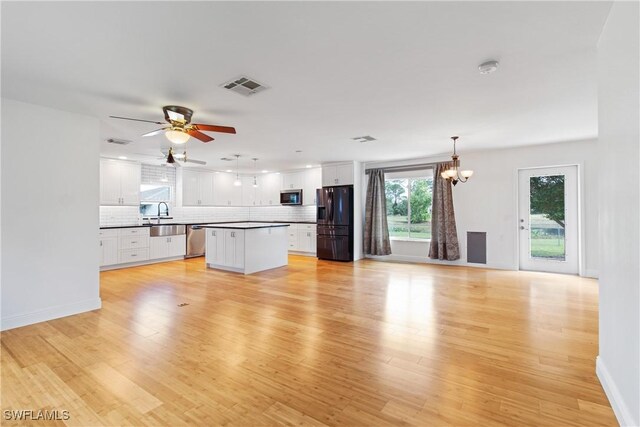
{"points": [[409, 207]]}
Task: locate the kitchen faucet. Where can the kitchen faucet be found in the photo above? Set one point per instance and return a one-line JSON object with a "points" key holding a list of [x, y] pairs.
{"points": [[167, 210]]}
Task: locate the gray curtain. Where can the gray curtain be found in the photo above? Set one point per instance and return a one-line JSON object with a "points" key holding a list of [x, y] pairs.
{"points": [[444, 236], [376, 233]]}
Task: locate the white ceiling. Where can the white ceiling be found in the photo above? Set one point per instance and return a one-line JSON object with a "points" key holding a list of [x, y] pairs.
{"points": [[404, 73]]}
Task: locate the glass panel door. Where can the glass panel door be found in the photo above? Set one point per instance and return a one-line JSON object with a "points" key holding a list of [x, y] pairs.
{"points": [[548, 219]]}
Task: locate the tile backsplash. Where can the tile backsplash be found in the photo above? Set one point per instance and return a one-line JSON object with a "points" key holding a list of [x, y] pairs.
{"points": [[127, 215]]}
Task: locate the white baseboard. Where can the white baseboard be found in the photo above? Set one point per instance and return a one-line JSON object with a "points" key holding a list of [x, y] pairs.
{"points": [[50, 313], [590, 273], [425, 260], [620, 409]]}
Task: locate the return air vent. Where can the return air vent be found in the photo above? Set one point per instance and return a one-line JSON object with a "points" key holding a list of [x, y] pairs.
{"points": [[118, 141], [364, 139], [244, 86], [226, 159]]}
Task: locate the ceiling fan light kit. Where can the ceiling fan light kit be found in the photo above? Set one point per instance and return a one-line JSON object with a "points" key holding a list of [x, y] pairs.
{"points": [[180, 128], [453, 171]]}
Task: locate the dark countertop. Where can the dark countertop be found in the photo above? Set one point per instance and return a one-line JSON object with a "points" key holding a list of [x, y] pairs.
{"points": [[106, 227], [249, 225]]}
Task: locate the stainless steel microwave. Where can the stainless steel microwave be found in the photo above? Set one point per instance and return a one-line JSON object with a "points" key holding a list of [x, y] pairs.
{"points": [[291, 197]]}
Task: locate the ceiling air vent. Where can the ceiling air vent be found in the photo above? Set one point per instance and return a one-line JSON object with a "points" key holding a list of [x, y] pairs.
{"points": [[244, 86], [226, 159], [118, 141], [364, 139]]}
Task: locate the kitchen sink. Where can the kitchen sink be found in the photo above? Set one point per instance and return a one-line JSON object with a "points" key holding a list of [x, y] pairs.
{"points": [[167, 230]]}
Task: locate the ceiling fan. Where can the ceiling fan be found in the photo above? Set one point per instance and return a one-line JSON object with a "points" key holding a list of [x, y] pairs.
{"points": [[180, 128], [173, 158]]}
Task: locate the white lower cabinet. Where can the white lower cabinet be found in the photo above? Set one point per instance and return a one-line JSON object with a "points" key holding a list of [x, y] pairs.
{"points": [[234, 248], [124, 246], [167, 247], [302, 238], [225, 248], [108, 250]]}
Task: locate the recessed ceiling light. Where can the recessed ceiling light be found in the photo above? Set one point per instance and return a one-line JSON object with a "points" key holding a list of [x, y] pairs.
{"points": [[265, 171], [309, 166], [229, 170], [122, 157], [488, 67], [277, 173]]}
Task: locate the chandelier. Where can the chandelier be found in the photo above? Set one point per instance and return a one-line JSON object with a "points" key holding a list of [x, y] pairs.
{"points": [[453, 171]]}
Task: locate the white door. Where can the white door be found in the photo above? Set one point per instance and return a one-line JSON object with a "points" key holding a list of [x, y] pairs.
{"points": [[548, 219], [329, 177], [344, 174], [248, 191], [190, 188], [109, 182], [177, 246], [130, 183], [223, 188], [206, 188], [158, 247], [214, 252], [108, 251], [312, 181], [269, 189]]}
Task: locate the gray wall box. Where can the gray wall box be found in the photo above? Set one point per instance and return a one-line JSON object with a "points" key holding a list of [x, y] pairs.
{"points": [[477, 247]]}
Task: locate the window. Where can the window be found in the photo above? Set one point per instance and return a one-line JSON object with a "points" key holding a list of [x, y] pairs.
{"points": [[409, 197]]}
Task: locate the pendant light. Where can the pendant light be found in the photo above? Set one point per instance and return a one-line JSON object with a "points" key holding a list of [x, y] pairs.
{"points": [[237, 182], [255, 168], [453, 172]]}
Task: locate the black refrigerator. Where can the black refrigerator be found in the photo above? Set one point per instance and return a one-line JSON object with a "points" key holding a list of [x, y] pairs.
{"points": [[335, 223]]}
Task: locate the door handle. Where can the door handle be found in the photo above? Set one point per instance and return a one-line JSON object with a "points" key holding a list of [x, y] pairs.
{"points": [[522, 227]]}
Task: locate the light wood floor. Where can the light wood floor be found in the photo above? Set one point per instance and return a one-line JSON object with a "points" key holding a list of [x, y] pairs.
{"points": [[359, 344]]}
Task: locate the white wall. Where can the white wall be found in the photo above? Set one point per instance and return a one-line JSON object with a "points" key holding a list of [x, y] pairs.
{"points": [[49, 214], [619, 360], [488, 202]]}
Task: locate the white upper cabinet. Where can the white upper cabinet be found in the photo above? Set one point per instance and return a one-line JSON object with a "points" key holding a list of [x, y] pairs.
{"points": [[249, 192], [293, 181], [269, 186], [119, 183], [197, 188], [227, 194], [333, 175], [312, 181]]}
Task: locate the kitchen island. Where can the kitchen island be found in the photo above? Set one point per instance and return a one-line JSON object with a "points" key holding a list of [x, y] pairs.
{"points": [[246, 247]]}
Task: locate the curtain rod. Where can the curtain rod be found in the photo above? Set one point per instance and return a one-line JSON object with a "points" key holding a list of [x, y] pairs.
{"points": [[406, 168]]}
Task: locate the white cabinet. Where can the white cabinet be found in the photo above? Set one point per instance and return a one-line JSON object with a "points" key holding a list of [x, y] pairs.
{"points": [[197, 188], [234, 248], [225, 248], [119, 183], [225, 192], [215, 247], [269, 190], [302, 238], [337, 175], [312, 181], [108, 247], [249, 192], [167, 247], [306, 240], [293, 181]]}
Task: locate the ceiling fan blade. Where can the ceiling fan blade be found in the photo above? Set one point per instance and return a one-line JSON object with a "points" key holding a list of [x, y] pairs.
{"points": [[199, 135], [136, 120], [214, 128], [155, 132], [198, 162]]}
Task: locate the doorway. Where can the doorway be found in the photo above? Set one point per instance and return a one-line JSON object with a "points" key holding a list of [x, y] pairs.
{"points": [[548, 219]]}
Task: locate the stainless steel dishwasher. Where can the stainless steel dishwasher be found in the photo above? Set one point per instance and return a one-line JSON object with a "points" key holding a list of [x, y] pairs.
{"points": [[195, 241]]}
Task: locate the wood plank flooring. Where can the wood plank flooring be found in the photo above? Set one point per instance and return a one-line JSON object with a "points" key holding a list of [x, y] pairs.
{"points": [[316, 343]]}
